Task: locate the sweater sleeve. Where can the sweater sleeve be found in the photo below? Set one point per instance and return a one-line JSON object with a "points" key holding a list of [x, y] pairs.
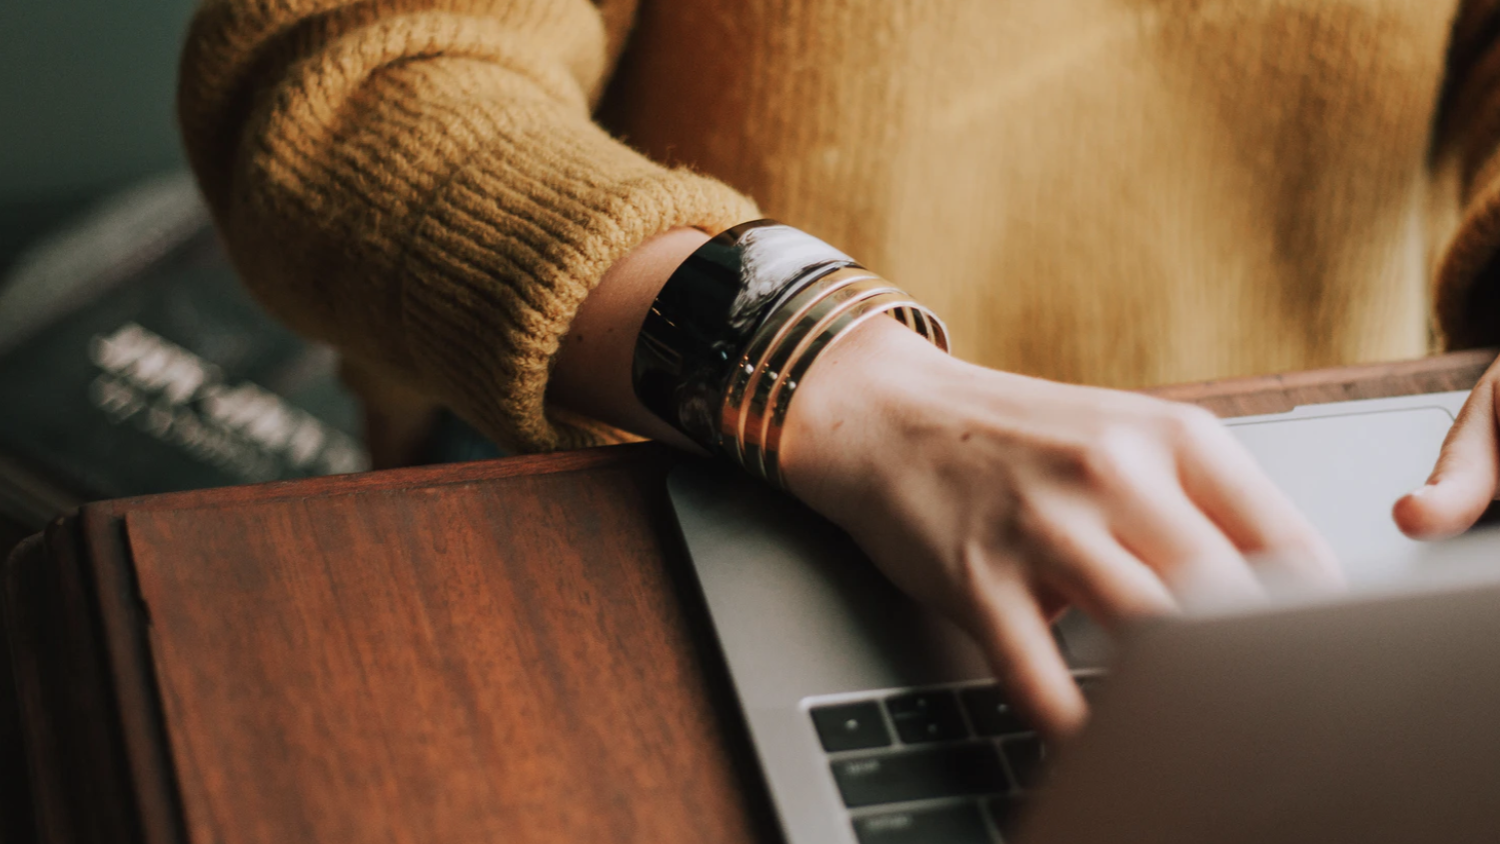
{"points": [[420, 183], [1467, 160]]}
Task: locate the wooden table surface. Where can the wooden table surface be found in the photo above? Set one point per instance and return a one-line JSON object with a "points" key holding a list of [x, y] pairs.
{"points": [[503, 651]]}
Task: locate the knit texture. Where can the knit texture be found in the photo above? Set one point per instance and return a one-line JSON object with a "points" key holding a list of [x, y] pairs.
{"points": [[1100, 191], [421, 184]]}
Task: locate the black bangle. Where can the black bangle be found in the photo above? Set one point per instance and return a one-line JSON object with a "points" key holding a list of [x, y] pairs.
{"points": [[706, 314]]}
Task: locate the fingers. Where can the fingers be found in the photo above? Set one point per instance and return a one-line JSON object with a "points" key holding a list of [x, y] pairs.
{"points": [[1197, 562], [1019, 643], [1153, 518], [1091, 570], [1110, 584], [1222, 479], [1463, 483]]}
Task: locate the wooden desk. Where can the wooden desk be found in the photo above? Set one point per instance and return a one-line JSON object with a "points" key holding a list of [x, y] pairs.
{"points": [[502, 651]]}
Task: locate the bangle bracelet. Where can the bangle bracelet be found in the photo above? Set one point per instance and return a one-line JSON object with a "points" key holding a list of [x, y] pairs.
{"points": [[839, 324], [704, 317], [737, 326], [752, 412], [756, 368]]}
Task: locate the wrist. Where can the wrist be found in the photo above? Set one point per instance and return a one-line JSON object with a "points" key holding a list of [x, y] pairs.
{"points": [[736, 329], [873, 377], [592, 371]]}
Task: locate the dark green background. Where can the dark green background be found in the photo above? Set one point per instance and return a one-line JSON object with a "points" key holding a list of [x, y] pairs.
{"points": [[86, 89]]}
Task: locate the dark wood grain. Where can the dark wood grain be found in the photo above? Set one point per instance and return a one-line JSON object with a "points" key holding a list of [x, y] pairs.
{"points": [[120, 612], [68, 711], [503, 660], [16, 822], [583, 460], [492, 651]]}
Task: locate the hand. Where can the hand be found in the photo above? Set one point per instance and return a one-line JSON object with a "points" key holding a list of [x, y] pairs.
{"points": [[999, 499], [1464, 481]]}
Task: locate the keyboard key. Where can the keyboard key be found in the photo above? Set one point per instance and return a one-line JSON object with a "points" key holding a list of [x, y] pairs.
{"points": [[926, 716], [956, 771], [852, 726], [1026, 756], [990, 713], [960, 824]]}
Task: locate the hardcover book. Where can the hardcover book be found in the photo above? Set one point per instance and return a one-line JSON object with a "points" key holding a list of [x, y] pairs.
{"points": [[132, 361]]}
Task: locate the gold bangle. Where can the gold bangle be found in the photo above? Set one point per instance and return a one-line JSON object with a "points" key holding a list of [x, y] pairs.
{"points": [[781, 350], [896, 304], [752, 365], [751, 412]]}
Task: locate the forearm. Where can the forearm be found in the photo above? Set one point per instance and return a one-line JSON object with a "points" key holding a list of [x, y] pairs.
{"points": [[592, 373]]}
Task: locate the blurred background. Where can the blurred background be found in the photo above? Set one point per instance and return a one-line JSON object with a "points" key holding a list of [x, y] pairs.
{"points": [[86, 90], [103, 240]]}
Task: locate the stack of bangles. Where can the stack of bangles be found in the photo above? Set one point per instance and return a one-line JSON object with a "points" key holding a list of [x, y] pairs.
{"points": [[739, 324]]}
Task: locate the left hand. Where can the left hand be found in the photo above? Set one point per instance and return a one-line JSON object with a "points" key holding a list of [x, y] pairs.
{"points": [[1468, 470]]}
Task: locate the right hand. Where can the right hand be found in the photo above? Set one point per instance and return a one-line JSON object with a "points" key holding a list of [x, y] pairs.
{"points": [[999, 499]]}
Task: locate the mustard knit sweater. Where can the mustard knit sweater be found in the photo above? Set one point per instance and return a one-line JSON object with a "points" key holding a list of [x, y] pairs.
{"points": [[1117, 192]]}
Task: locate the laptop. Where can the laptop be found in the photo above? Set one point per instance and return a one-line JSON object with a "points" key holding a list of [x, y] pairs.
{"points": [[1360, 719]]}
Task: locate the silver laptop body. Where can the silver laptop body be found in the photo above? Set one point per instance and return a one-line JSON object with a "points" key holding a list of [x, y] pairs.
{"points": [[1373, 719], [808, 627]]}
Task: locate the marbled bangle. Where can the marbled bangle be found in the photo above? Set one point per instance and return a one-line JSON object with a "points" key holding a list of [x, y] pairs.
{"points": [[704, 317], [734, 330]]}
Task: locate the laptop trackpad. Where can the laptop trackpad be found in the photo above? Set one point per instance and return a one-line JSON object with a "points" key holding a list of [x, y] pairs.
{"points": [[1345, 472]]}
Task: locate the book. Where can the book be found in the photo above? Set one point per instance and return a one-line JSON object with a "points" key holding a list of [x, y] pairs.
{"points": [[133, 361]]}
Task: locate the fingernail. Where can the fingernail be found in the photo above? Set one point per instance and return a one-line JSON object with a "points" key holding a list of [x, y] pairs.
{"points": [[1419, 491]]}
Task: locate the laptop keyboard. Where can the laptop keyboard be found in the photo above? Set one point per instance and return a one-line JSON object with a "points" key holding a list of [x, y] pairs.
{"points": [[942, 765]]}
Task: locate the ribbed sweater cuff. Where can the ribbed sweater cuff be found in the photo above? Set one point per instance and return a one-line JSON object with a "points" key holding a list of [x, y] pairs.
{"points": [[511, 246]]}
